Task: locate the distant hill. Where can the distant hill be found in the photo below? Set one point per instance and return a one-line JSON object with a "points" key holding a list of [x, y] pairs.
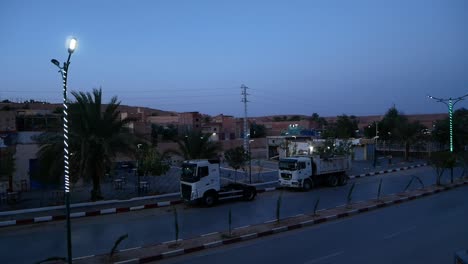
{"points": [[52, 107]]}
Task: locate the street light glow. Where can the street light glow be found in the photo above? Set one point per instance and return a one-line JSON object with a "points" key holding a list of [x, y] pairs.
{"points": [[72, 45]]}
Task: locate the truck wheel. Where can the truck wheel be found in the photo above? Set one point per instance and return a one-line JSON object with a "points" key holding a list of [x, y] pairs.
{"points": [[333, 180], [307, 185], [249, 194], [343, 180], [209, 199]]}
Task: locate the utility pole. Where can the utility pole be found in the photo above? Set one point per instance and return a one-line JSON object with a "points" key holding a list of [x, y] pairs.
{"points": [[244, 100]]}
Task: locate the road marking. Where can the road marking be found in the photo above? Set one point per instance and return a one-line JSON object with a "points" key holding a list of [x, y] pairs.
{"points": [[213, 244], [8, 223], [324, 257], [240, 227], [135, 260], [134, 208], [298, 215], [209, 234], [172, 241], [165, 203], [78, 214], [83, 257], [269, 221], [128, 249], [399, 232], [108, 211]]}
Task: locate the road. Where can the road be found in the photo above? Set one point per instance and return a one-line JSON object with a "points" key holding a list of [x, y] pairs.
{"points": [[427, 230], [96, 235]]}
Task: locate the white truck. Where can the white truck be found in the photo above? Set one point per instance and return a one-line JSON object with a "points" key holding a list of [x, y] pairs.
{"points": [[305, 172], [200, 181]]}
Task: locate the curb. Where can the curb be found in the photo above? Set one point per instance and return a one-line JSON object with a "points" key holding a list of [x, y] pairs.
{"points": [[284, 228], [115, 210], [387, 171]]}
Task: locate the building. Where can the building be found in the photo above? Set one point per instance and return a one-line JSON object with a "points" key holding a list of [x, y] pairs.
{"points": [[7, 121], [189, 121]]}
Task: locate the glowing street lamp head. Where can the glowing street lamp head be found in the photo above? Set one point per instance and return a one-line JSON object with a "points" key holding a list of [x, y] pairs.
{"points": [[72, 45]]}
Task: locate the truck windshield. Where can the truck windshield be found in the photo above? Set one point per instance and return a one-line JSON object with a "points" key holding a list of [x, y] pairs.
{"points": [[189, 173], [287, 165]]}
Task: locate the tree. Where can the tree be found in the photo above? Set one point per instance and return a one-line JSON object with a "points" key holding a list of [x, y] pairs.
{"points": [[96, 135], [7, 166], [396, 126], [257, 131], [409, 133], [440, 161], [50, 157], [101, 134], [344, 127], [236, 158], [196, 145], [168, 132], [152, 162]]}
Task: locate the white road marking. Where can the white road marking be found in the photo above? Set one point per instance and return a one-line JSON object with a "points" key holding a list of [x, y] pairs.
{"points": [[209, 234], [128, 249], [324, 257], [240, 227]]}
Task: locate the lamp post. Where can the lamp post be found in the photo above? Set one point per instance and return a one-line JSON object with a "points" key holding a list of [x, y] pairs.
{"points": [[450, 102], [64, 73], [137, 172], [375, 142], [250, 162]]}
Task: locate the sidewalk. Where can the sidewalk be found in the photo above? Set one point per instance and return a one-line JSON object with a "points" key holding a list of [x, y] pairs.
{"points": [[43, 214]]}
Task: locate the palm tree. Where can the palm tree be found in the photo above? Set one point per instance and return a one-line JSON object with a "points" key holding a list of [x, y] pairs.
{"points": [[100, 134], [196, 145], [97, 134]]}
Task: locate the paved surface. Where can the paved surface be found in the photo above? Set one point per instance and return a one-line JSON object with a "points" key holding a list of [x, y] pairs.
{"points": [[96, 235], [263, 171], [428, 230]]}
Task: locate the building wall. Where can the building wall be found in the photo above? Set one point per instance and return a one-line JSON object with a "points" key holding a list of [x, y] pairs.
{"points": [[22, 156], [163, 120], [7, 121]]}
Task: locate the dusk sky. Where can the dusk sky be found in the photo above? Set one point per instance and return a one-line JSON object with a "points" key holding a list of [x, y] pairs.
{"points": [[297, 57]]}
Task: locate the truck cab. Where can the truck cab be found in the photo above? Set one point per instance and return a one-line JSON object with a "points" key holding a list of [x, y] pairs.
{"points": [[293, 171], [200, 181]]}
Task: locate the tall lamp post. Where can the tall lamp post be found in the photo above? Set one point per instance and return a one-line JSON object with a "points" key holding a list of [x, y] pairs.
{"points": [[450, 102], [64, 73], [136, 171], [250, 162], [375, 142]]}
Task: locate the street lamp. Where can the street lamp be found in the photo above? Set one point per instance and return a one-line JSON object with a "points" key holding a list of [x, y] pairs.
{"points": [[136, 171], [375, 141], [250, 162], [64, 73], [450, 102]]}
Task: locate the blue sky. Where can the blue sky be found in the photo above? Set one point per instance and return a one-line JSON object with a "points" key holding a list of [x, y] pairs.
{"points": [[297, 57]]}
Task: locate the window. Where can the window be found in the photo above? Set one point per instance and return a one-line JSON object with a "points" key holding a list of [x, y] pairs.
{"points": [[202, 171], [301, 165]]}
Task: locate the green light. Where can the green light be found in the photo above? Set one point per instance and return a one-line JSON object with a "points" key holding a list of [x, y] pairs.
{"points": [[451, 124]]}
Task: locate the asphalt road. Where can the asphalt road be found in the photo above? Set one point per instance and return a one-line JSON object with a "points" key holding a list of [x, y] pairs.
{"points": [[96, 235], [427, 230]]}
